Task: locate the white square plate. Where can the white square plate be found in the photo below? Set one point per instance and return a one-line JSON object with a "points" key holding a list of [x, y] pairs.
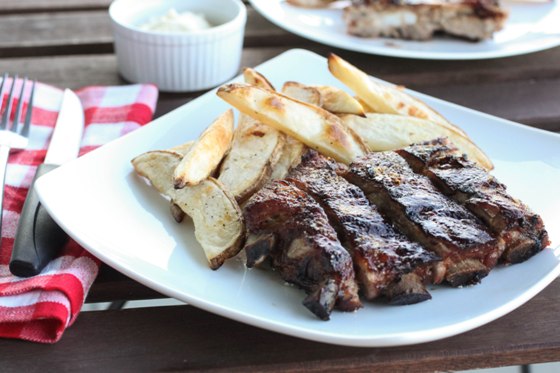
{"points": [[104, 206], [530, 27]]}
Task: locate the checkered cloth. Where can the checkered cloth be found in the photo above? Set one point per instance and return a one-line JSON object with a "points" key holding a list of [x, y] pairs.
{"points": [[40, 308]]}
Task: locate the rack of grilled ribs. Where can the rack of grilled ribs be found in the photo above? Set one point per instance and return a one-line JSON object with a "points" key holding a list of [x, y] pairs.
{"points": [[288, 226], [421, 212], [404, 218], [420, 19], [386, 263], [454, 175]]}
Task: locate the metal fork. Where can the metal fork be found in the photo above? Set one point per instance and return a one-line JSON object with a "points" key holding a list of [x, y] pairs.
{"points": [[13, 136]]}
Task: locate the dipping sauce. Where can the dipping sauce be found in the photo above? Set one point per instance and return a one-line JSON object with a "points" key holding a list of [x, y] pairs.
{"points": [[174, 21]]}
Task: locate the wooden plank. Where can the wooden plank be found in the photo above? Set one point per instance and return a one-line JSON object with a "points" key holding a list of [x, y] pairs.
{"points": [[69, 71], [79, 32], [55, 33], [30, 6], [111, 285], [185, 338], [533, 102]]}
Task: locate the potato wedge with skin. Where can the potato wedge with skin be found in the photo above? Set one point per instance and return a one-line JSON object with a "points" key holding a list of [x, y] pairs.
{"points": [[338, 101], [206, 153], [329, 98], [384, 98], [293, 148], [256, 148], [157, 166], [257, 79], [291, 157], [303, 93], [389, 132], [315, 127], [217, 218], [162, 180]]}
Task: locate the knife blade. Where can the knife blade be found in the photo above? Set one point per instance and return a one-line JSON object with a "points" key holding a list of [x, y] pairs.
{"points": [[38, 238]]}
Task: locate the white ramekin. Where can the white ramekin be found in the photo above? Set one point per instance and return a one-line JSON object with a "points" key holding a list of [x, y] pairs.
{"points": [[178, 62]]}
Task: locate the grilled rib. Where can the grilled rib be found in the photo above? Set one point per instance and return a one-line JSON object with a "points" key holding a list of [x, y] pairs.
{"points": [[521, 229], [288, 226], [426, 216], [382, 257]]}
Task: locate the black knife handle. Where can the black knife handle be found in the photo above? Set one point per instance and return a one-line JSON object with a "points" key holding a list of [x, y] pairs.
{"points": [[38, 238]]}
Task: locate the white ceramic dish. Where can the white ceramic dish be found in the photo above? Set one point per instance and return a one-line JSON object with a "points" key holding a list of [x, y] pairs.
{"points": [[102, 204], [178, 62], [531, 27]]}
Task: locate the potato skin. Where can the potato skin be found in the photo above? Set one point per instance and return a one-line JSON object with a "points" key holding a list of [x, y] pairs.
{"points": [[256, 148], [205, 155], [218, 220]]}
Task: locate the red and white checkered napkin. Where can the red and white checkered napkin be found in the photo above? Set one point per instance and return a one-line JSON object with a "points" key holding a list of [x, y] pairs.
{"points": [[40, 308]]}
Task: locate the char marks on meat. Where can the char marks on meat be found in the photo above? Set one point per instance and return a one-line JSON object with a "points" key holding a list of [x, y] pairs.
{"points": [[288, 226], [522, 230], [386, 263], [390, 222], [414, 205]]}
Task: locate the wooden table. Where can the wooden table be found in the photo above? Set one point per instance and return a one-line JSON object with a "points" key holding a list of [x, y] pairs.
{"points": [[68, 43]]}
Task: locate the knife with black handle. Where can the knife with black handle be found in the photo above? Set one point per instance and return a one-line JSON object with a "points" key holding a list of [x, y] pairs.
{"points": [[38, 238]]}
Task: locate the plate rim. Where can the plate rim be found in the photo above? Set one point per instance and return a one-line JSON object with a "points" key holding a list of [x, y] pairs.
{"points": [[100, 250], [402, 53]]}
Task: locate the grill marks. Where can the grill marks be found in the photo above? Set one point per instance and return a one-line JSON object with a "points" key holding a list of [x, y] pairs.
{"points": [[426, 216], [305, 249], [522, 230], [423, 214], [381, 255]]}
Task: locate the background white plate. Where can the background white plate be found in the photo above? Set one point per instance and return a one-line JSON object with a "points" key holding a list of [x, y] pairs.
{"points": [[531, 27], [102, 204]]}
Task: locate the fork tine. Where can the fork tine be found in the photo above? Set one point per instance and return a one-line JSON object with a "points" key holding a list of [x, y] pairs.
{"points": [[19, 106], [27, 123], [6, 116]]}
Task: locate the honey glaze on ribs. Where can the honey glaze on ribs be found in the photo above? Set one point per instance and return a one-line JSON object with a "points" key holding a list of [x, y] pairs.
{"points": [[426, 216], [386, 263], [522, 230], [288, 226]]}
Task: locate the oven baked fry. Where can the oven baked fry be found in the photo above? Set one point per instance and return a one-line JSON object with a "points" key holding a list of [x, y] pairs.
{"points": [[384, 98], [315, 127], [206, 153], [218, 221], [338, 101], [330, 98], [383, 132], [253, 77], [255, 150], [293, 148], [303, 93]]}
